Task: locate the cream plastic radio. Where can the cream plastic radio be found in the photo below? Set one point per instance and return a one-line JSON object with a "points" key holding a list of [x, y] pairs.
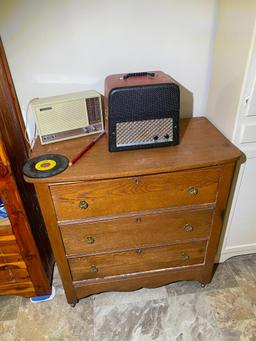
{"points": [[68, 116]]}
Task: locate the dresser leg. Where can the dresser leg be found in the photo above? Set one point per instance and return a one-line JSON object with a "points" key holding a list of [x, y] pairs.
{"points": [[206, 276], [73, 304]]}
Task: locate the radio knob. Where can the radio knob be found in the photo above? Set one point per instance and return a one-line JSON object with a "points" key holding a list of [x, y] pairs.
{"points": [[156, 138], [166, 136]]}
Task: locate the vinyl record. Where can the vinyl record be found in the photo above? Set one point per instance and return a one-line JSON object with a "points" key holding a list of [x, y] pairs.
{"points": [[44, 166]]}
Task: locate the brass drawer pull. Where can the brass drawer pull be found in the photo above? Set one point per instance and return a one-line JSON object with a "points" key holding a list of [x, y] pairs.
{"points": [[136, 181], [193, 190], [94, 268], [138, 251], [83, 205], [183, 256], [89, 240], [188, 228]]}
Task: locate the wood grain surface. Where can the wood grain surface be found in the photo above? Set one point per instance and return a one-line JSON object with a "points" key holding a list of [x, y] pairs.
{"points": [[6, 229], [137, 260], [108, 197], [201, 145], [27, 225], [14, 276], [136, 231], [133, 281], [117, 222]]}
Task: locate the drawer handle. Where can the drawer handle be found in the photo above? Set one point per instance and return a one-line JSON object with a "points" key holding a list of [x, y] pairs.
{"points": [[138, 220], [136, 181], [183, 256], [193, 190], [94, 268], [138, 251], [188, 228], [83, 205], [89, 240]]}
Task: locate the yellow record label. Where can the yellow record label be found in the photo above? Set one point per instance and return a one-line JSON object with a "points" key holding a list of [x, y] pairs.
{"points": [[45, 165]]}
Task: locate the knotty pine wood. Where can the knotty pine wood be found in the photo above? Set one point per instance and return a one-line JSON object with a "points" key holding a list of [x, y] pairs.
{"points": [[10, 252], [27, 225], [6, 229], [18, 283], [20, 243], [14, 276]]}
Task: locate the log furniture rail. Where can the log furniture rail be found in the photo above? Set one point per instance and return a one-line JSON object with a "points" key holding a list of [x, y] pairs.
{"points": [[26, 259]]}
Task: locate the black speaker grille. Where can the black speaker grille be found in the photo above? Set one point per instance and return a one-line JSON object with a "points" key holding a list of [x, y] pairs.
{"points": [[140, 104], [144, 102]]}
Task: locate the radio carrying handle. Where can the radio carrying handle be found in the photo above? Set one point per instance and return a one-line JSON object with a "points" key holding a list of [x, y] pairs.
{"points": [[139, 74]]}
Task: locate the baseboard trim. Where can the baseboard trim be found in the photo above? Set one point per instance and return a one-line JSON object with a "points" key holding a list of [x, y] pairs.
{"points": [[235, 251]]}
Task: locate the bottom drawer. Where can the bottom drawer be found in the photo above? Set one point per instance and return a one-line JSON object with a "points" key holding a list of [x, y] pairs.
{"points": [[137, 260]]}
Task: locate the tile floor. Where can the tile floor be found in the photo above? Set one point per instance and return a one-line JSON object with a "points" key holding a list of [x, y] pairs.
{"points": [[182, 311]]}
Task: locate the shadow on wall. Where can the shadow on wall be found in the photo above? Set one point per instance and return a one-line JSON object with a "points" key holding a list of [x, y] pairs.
{"points": [[186, 102], [186, 107]]}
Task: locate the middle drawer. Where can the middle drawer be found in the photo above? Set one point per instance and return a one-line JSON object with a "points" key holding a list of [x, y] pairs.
{"points": [[135, 231]]}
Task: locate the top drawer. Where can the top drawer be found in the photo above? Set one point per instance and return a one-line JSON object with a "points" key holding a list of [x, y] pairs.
{"points": [[111, 197]]}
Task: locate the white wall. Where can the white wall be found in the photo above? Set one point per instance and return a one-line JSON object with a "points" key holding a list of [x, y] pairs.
{"points": [[234, 30], [60, 46]]}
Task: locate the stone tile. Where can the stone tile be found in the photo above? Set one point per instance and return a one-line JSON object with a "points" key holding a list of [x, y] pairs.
{"points": [[9, 306], [243, 267], [190, 318], [182, 311], [56, 280], [138, 321], [230, 305], [249, 289], [183, 287], [55, 320], [240, 331], [185, 317], [111, 298], [251, 261], [7, 330], [222, 278]]}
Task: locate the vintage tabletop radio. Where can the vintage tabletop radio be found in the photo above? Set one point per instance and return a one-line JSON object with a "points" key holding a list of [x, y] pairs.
{"points": [[68, 116], [142, 110]]}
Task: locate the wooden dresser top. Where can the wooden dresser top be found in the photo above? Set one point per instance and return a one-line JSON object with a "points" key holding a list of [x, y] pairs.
{"points": [[201, 145]]}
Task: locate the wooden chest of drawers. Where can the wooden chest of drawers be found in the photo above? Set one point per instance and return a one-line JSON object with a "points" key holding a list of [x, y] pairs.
{"points": [[122, 221]]}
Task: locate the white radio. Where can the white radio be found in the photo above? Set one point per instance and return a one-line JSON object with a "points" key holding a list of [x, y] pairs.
{"points": [[68, 116]]}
